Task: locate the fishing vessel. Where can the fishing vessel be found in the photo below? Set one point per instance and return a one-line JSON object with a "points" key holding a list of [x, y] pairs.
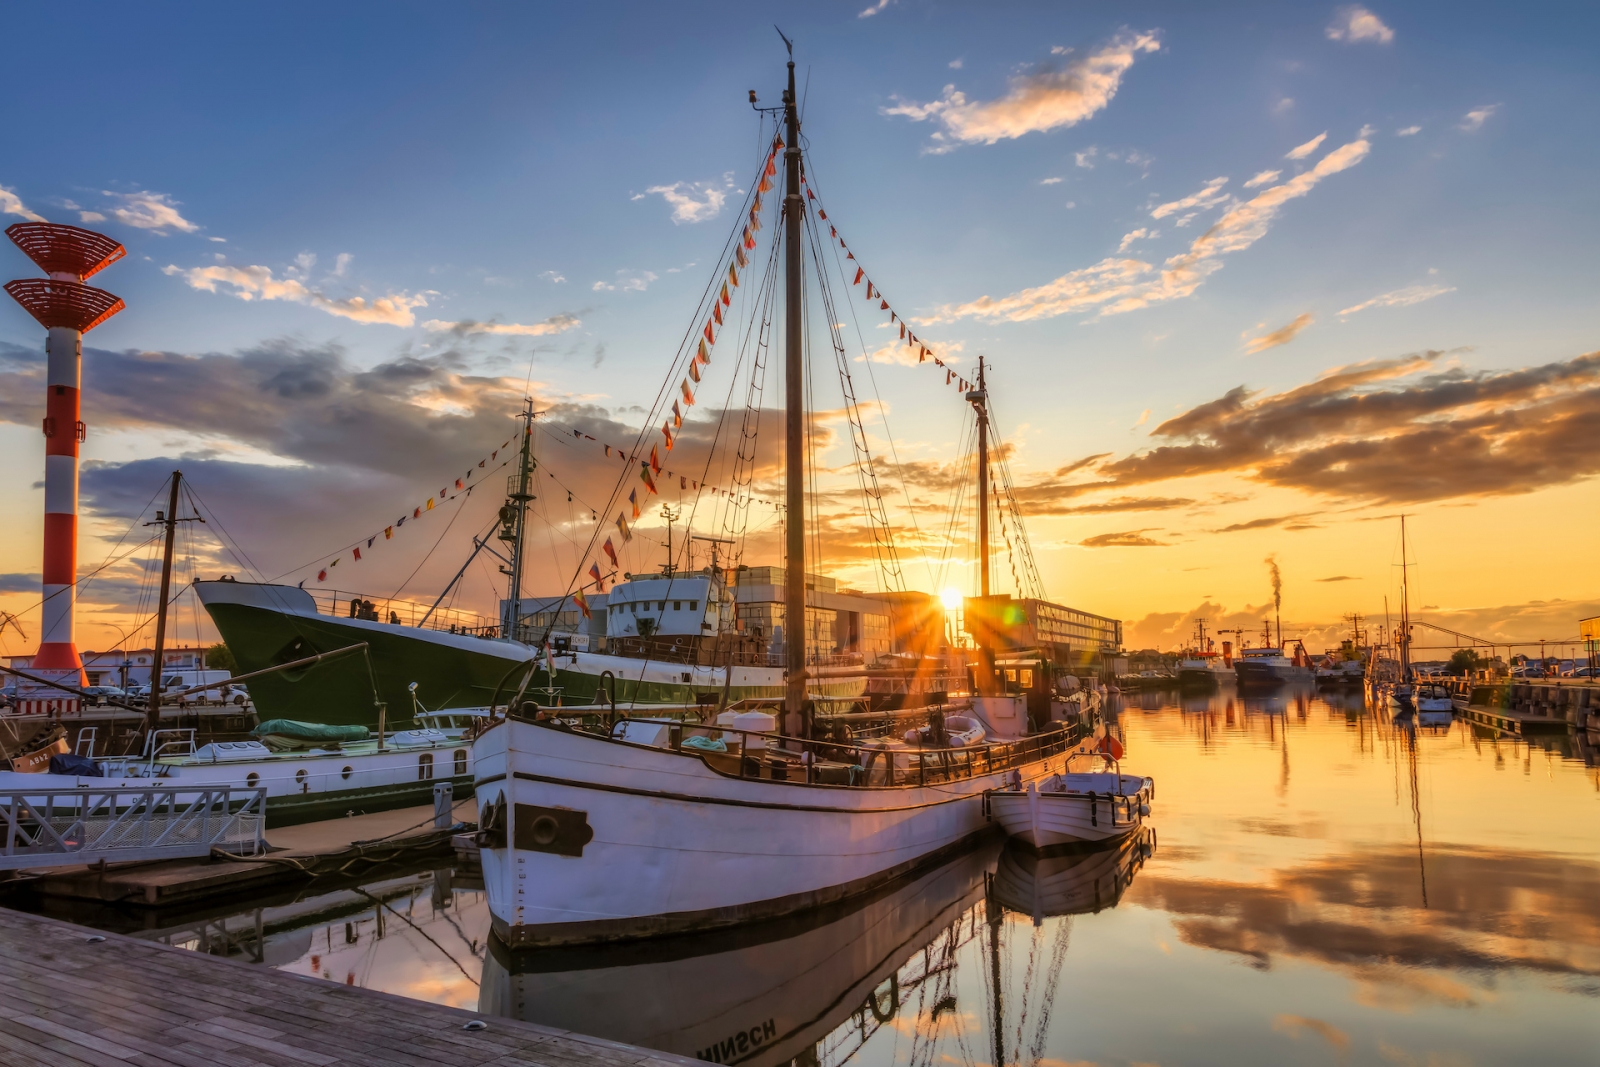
{"points": [[1267, 666], [591, 835], [1397, 687], [1202, 667], [1074, 808]]}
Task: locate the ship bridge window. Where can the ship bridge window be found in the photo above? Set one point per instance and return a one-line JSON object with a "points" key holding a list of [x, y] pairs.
{"points": [[677, 605], [694, 605]]}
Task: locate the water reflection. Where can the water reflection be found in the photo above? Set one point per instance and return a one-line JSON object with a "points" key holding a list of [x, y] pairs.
{"points": [[1327, 876]]}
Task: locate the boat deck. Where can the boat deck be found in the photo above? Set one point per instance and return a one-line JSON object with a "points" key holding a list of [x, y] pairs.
{"points": [[70, 1002]]}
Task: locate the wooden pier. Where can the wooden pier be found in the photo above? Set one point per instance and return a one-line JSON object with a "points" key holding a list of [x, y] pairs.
{"points": [[72, 997]]}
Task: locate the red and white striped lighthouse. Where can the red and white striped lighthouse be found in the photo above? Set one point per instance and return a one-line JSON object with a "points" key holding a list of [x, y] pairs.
{"points": [[68, 309]]}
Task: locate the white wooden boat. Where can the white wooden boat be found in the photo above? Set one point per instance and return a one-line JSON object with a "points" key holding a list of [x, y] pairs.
{"points": [[1072, 808], [589, 838]]}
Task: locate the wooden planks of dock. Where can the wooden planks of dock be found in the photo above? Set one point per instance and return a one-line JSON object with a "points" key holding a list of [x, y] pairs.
{"points": [[69, 1001]]}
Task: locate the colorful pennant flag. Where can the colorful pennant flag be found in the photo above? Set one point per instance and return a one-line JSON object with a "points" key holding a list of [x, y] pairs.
{"points": [[655, 460], [358, 553], [388, 532], [622, 525], [582, 601], [633, 498], [649, 482], [599, 583], [611, 550]]}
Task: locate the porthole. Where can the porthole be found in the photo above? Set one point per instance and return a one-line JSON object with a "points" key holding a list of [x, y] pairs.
{"points": [[300, 776], [346, 772], [252, 779]]}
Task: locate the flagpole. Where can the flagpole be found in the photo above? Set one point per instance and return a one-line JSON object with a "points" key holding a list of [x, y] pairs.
{"points": [[520, 498], [794, 599]]}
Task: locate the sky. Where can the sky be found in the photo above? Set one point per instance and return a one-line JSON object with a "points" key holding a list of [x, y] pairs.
{"points": [[1249, 282]]}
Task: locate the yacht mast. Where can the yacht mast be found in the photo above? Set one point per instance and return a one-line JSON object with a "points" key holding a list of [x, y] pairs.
{"points": [[794, 594], [1405, 608], [152, 721], [980, 403]]}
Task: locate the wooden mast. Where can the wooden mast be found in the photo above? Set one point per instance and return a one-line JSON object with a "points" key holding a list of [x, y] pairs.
{"points": [[794, 595], [152, 720], [985, 679]]}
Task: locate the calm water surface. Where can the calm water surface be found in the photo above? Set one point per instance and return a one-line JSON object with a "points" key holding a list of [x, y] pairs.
{"points": [[1319, 885]]}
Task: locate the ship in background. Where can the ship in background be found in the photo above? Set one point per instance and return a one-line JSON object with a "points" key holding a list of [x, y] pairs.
{"points": [[1268, 666], [1203, 667]]}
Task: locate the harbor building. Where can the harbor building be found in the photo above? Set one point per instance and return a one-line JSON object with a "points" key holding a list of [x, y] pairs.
{"points": [[1066, 635]]}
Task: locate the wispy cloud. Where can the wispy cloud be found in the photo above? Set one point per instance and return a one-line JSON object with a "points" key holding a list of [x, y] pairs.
{"points": [[1137, 235], [1338, 578], [1473, 120], [628, 281], [1115, 285], [258, 283], [555, 277], [1043, 99], [11, 204], [879, 6], [1356, 23], [694, 201], [1050, 181], [1408, 131], [1209, 196], [467, 327], [1399, 298], [1302, 151], [1123, 539], [1266, 177], [156, 212], [1281, 336]]}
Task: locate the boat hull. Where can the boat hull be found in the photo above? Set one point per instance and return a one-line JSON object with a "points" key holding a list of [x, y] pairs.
{"points": [[1072, 882], [1200, 678], [267, 625], [1267, 675], [1044, 819], [656, 842]]}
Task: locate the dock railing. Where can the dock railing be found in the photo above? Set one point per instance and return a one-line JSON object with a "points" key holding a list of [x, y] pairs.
{"points": [[61, 827]]}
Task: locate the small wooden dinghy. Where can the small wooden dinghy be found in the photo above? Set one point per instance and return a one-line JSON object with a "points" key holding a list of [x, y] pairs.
{"points": [[1073, 808]]}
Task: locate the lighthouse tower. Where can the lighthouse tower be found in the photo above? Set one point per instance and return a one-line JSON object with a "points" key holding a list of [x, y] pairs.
{"points": [[67, 309]]}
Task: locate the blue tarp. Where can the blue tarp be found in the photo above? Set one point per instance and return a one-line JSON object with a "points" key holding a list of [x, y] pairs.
{"points": [[80, 766]]}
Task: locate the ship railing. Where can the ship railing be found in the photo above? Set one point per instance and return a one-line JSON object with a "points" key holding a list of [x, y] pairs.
{"points": [[350, 604], [59, 827], [782, 758]]}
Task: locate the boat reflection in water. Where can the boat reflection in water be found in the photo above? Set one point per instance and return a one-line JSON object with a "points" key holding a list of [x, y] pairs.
{"points": [[1067, 880], [758, 994], [814, 988]]}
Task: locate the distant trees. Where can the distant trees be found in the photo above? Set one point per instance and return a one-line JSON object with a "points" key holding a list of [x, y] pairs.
{"points": [[219, 657], [1466, 661]]}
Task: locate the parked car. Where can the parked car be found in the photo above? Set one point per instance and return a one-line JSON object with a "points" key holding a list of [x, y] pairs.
{"points": [[1585, 672], [235, 694], [100, 694]]}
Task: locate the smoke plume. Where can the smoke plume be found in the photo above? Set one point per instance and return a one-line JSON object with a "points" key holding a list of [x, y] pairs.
{"points": [[1277, 584]]}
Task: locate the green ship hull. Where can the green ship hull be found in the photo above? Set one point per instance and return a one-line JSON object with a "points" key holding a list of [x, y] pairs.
{"points": [[269, 625]]}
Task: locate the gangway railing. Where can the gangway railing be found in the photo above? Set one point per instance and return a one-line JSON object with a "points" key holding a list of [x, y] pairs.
{"points": [[116, 824]]}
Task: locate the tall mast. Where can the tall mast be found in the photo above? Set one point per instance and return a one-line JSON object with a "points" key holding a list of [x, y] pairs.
{"points": [[794, 594], [152, 721], [980, 403], [521, 494], [1405, 608]]}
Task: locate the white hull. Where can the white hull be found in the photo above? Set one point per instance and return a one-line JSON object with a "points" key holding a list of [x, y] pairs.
{"points": [[657, 842], [1103, 810]]}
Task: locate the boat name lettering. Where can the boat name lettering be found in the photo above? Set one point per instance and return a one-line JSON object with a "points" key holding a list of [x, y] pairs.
{"points": [[725, 1050]]}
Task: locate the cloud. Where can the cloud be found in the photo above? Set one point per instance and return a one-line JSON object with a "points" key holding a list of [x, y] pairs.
{"points": [[1050, 181], [1262, 524], [11, 204], [1281, 336], [1293, 1025], [258, 283], [341, 263], [1356, 23], [1302, 151], [1044, 99], [1210, 195], [1125, 539], [1264, 178], [1085, 159], [554, 324], [628, 281], [955, 64], [1140, 234], [1473, 120], [1127, 504], [1400, 298], [20, 583], [879, 6], [156, 212], [1285, 104], [694, 201], [90, 216], [1409, 131], [554, 277], [1115, 286], [1388, 431], [1338, 578]]}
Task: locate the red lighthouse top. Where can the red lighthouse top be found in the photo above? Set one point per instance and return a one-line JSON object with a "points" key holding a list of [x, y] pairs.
{"points": [[61, 249]]}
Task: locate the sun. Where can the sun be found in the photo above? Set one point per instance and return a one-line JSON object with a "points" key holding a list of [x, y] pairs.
{"points": [[951, 598]]}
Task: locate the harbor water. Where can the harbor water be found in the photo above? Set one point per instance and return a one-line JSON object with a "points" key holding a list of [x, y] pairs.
{"points": [[1318, 884]]}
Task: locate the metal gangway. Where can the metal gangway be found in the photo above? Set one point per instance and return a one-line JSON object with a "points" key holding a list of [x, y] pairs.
{"points": [[120, 824]]}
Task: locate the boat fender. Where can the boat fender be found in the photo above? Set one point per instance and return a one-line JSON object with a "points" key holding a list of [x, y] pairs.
{"points": [[1144, 810]]}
